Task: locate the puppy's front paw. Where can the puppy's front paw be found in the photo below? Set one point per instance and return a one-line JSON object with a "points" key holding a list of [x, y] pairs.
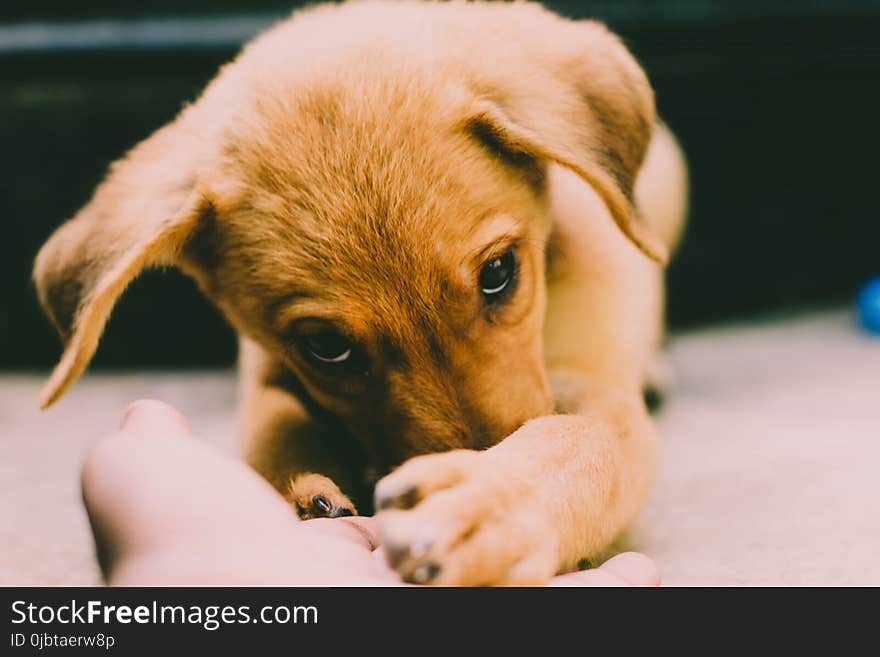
{"points": [[457, 519], [315, 496]]}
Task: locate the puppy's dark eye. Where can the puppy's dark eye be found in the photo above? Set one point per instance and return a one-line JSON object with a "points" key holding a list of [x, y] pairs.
{"points": [[327, 347], [496, 277]]}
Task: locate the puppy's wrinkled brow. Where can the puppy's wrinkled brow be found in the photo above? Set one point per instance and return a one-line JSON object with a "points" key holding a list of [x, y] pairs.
{"points": [[492, 237], [281, 311]]}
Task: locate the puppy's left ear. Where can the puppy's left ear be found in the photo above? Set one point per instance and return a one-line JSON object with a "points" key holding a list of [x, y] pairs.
{"points": [[577, 97], [140, 216]]}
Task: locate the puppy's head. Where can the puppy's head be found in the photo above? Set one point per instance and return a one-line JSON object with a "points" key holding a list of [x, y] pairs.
{"points": [[378, 226]]}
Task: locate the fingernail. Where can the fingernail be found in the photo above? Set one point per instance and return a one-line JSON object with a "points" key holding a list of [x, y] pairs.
{"points": [[156, 414], [127, 413]]}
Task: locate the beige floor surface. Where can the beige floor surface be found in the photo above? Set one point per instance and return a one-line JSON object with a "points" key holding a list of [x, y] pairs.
{"points": [[770, 472]]}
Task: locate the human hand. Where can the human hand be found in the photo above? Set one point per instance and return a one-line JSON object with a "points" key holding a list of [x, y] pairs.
{"points": [[166, 509]]}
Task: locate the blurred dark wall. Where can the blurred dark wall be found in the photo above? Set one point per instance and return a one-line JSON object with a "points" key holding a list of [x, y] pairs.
{"points": [[776, 105]]}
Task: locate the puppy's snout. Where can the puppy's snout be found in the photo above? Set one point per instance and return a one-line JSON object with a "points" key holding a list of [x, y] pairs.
{"points": [[465, 432]]}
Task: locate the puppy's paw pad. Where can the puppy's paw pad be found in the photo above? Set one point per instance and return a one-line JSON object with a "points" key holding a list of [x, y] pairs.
{"points": [[316, 496]]}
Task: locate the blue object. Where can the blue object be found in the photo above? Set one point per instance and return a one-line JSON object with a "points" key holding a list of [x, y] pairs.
{"points": [[868, 301]]}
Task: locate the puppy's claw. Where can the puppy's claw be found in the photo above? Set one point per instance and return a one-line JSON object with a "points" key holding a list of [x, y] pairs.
{"points": [[397, 490], [425, 573], [401, 498], [320, 502], [396, 553]]}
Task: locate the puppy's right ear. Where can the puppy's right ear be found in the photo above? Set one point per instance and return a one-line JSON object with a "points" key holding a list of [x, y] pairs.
{"points": [[571, 93], [140, 216]]}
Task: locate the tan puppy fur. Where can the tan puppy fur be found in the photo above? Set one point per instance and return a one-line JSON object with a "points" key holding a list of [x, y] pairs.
{"points": [[347, 181]]}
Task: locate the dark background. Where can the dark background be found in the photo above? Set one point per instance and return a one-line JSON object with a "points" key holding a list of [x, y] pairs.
{"points": [[776, 103]]}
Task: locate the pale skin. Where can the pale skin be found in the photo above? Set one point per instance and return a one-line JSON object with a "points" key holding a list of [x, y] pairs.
{"points": [[166, 509]]}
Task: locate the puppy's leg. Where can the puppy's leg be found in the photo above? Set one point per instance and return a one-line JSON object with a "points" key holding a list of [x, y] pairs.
{"points": [[308, 463], [553, 493]]}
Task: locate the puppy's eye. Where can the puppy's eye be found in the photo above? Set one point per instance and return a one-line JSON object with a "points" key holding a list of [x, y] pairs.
{"points": [[496, 277], [327, 347]]}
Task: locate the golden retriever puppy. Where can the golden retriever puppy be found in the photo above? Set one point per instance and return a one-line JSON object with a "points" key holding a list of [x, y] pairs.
{"points": [[438, 229]]}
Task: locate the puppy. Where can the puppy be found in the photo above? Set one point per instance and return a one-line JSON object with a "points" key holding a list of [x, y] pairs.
{"points": [[438, 229]]}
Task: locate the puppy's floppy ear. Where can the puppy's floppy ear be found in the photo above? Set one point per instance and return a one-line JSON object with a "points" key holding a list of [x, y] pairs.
{"points": [[578, 98], [140, 216]]}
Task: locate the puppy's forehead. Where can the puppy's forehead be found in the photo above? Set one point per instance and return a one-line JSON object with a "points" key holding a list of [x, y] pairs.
{"points": [[495, 227], [369, 196], [423, 264]]}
